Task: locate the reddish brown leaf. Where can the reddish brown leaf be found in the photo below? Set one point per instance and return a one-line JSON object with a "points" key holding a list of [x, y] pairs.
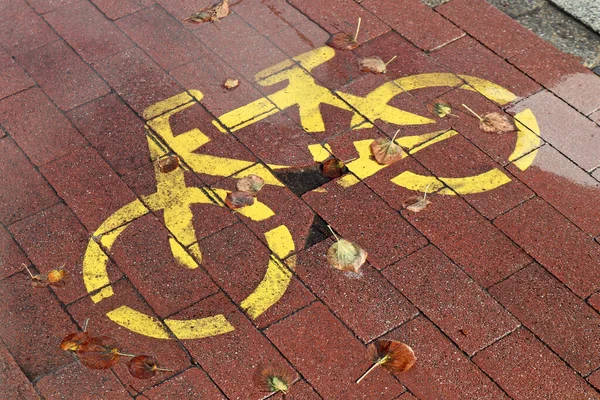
{"points": [[274, 378], [99, 353], [374, 65], [386, 151], [390, 354], [142, 367], [333, 168], [168, 163], [239, 199], [250, 184], [74, 341], [342, 41], [231, 83]]}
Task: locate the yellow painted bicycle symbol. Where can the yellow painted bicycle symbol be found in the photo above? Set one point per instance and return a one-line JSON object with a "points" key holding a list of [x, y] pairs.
{"points": [[175, 198]]}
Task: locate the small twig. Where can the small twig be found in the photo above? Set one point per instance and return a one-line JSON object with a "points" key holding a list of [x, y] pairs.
{"points": [[350, 160], [426, 188], [85, 324], [126, 355], [357, 29], [28, 271], [473, 112], [391, 59], [164, 369]]}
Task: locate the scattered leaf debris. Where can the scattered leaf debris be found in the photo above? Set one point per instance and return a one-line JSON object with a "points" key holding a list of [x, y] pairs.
{"points": [[168, 163], [345, 255], [239, 199], [231, 83], [100, 352], [493, 122], [211, 14], [391, 355], [386, 151], [144, 367], [343, 41], [274, 378], [333, 168], [250, 184]]}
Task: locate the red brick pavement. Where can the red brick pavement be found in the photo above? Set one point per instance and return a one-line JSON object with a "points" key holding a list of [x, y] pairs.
{"points": [[497, 292]]}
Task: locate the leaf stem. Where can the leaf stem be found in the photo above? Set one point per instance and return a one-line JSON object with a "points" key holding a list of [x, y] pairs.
{"points": [[391, 59], [395, 134], [426, 188], [357, 29], [85, 324], [125, 354], [28, 271], [368, 371], [337, 238], [473, 112], [164, 369]]}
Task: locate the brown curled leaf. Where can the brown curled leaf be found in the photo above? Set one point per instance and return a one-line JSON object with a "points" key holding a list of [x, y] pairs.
{"points": [[73, 341], [168, 163], [391, 355], [333, 168], [239, 199], [99, 352], [342, 41]]}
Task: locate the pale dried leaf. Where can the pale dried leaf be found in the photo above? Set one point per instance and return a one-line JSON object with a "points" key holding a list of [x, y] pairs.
{"points": [[211, 14], [416, 203], [250, 184], [342, 41], [374, 65], [496, 122], [346, 256], [231, 83], [386, 151]]}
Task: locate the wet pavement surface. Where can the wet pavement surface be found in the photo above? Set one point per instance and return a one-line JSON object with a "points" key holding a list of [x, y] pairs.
{"points": [[495, 285]]}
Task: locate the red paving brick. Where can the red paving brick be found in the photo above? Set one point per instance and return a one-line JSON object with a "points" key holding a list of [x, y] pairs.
{"points": [[490, 26], [342, 16], [62, 75], [191, 384], [15, 384], [520, 359], [358, 215], [137, 79], [441, 370], [466, 56], [478, 247], [91, 189], [309, 337], [22, 30], [465, 282], [54, 238], [562, 74], [365, 302], [12, 257], [170, 354], [568, 253], [554, 314], [415, 21], [38, 127], [231, 360], [13, 78], [115, 131], [23, 191], [78, 382], [581, 144], [563, 184], [33, 325], [472, 319], [161, 37]]}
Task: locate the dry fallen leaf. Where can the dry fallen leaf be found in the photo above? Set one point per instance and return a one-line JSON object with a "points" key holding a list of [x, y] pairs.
{"points": [[168, 163], [416, 203], [274, 378], [374, 65], [386, 151], [54, 277], [333, 168], [390, 354], [345, 255], [343, 41], [74, 341], [100, 352], [144, 367], [211, 14], [440, 107], [239, 199], [250, 184], [493, 122], [231, 83]]}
